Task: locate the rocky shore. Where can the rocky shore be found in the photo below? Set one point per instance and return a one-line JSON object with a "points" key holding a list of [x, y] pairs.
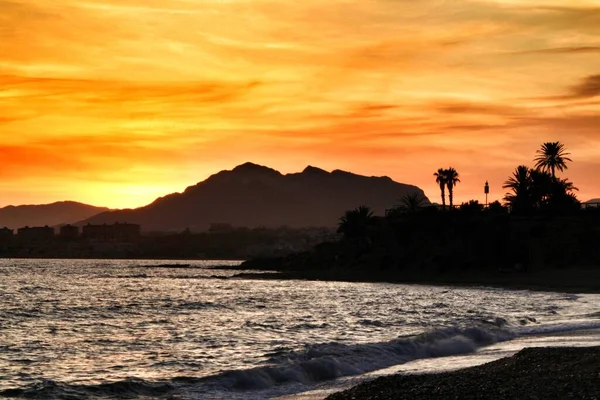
{"points": [[573, 280], [533, 373]]}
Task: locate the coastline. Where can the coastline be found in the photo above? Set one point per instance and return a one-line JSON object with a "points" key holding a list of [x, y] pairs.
{"points": [[571, 280], [532, 373], [581, 279]]}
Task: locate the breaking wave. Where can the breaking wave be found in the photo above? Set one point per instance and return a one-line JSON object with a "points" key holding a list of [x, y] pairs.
{"points": [[314, 363], [311, 365]]}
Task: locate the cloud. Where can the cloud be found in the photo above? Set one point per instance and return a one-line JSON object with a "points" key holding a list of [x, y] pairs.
{"points": [[588, 87], [461, 107], [564, 50], [137, 91]]}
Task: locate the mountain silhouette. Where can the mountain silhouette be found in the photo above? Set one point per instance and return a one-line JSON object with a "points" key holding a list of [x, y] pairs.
{"points": [[15, 217], [253, 195]]}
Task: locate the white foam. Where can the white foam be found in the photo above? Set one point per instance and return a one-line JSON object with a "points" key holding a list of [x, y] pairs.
{"points": [[558, 327], [333, 360]]}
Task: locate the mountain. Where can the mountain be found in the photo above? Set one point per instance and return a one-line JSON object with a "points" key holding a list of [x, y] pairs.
{"points": [[252, 195], [15, 217]]}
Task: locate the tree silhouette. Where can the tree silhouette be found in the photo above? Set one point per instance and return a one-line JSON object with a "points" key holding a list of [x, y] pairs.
{"points": [[411, 202], [520, 199], [552, 156], [540, 187], [354, 224], [561, 197], [472, 207], [451, 177], [565, 185], [497, 208], [440, 179], [535, 189]]}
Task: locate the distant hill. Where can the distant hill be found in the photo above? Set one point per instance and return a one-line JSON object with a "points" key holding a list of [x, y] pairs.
{"points": [[252, 195], [592, 202], [15, 217]]}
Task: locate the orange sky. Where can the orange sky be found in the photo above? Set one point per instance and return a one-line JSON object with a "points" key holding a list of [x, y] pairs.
{"points": [[117, 102]]}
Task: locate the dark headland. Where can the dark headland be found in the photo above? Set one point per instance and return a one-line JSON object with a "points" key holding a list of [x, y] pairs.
{"points": [[533, 373], [540, 237], [460, 247]]}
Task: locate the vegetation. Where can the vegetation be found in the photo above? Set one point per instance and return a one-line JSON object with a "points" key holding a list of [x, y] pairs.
{"points": [[412, 202], [540, 226], [440, 178], [552, 156], [472, 206], [447, 178], [355, 223], [539, 190], [451, 181]]}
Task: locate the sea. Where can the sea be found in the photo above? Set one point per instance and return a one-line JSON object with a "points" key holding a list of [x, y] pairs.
{"points": [[135, 329]]}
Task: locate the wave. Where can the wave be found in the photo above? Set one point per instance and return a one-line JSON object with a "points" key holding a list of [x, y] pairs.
{"points": [[49, 390], [313, 364], [310, 365], [559, 327], [322, 362]]}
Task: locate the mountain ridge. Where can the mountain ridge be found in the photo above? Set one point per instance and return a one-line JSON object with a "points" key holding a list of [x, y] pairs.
{"points": [[50, 214], [253, 195]]}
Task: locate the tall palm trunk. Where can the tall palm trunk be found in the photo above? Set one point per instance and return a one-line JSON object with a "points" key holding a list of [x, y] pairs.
{"points": [[451, 194], [443, 190]]}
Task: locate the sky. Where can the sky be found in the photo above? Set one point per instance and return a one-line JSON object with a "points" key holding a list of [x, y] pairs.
{"points": [[117, 102]]}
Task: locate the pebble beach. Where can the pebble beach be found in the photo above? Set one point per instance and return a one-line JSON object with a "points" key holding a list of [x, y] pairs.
{"points": [[532, 373]]}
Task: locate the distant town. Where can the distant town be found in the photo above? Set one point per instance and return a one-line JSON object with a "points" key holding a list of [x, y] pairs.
{"points": [[126, 240], [118, 232]]}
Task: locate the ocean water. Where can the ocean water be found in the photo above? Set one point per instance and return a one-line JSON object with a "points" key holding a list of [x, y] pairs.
{"points": [[99, 329]]}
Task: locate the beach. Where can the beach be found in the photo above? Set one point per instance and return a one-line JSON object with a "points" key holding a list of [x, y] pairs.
{"points": [[96, 329], [532, 373]]}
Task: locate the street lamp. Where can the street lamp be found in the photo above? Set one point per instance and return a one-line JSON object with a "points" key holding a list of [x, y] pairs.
{"points": [[486, 189]]}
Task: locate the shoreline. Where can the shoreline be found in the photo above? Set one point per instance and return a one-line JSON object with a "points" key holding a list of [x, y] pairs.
{"points": [[580, 279], [122, 258], [572, 280], [532, 373]]}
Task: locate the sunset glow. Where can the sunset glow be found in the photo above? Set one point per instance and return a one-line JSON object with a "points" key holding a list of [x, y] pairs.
{"points": [[117, 102]]}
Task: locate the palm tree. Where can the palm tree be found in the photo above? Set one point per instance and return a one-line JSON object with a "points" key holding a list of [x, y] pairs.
{"points": [[552, 156], [355, 223], [520, 184], [540, 187], [440, 179], [411, 202], [451, 177], [566, 185], [562, 197]]}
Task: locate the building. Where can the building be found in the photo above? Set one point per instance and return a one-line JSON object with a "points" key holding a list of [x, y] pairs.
{"points": [[95, 232], [6, 235], [69, 232], [36, 233], [119, 232], [126, 232]]}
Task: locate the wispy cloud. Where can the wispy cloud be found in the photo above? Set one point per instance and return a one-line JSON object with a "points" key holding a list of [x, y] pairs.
{"points": [[184, 88], [564, 50], [588, 87]]}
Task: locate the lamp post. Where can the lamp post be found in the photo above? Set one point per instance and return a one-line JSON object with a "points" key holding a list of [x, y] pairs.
{"points": [[486, 189]]}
